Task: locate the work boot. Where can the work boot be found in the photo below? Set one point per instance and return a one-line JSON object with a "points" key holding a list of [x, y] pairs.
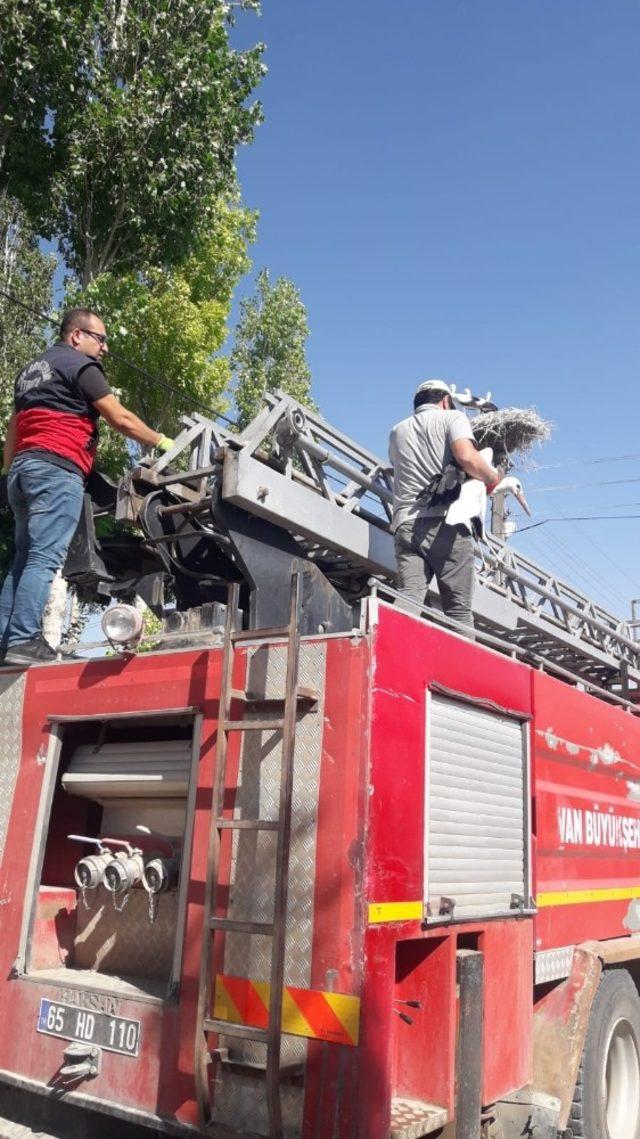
{"points": [[34, 651]]}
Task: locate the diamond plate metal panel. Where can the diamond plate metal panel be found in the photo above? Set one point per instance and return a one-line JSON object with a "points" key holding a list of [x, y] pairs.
{"points": [[412, 1119], [11, 702], [126, 942], [239, 1100], [254, 860], [553, 964]]}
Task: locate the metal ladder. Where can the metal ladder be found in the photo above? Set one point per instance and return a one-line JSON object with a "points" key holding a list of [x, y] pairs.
{"points": [[294, 697], [336, 497]]}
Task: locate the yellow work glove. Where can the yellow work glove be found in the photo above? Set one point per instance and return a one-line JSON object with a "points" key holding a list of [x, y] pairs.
{"points": [[164, 443]]}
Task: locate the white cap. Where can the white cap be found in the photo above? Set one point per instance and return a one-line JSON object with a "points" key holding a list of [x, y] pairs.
{"points": [[434, 386]]}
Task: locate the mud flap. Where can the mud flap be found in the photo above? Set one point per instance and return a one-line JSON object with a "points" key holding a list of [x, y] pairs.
{"points": [[527, 1113], [559, 1028]]}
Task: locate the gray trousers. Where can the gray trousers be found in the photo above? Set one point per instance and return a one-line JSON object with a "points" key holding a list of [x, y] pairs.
{"points": [[426, 548]]}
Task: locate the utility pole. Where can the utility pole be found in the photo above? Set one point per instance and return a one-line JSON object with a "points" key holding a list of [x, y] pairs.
{"points": [[498, 516], [635, 618]]}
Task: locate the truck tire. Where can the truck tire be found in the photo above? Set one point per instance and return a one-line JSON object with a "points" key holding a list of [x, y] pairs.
{"points": [[606, 1102]]}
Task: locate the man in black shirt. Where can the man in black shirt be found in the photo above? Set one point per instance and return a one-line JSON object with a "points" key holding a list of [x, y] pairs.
{"points": [[50, 448]]}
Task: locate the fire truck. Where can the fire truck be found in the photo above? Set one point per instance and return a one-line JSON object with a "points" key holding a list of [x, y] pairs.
{"points": [[319, 866]]}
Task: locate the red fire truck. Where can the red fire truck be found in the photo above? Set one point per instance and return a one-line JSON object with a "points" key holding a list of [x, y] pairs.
{"points": [[317, 866]]}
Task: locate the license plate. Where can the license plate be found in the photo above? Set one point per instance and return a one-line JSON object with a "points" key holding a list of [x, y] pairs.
{"points": [[70, 1023]]}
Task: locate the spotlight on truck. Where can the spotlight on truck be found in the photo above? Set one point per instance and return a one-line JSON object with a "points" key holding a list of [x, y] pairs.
{"points": [[122, 626]]}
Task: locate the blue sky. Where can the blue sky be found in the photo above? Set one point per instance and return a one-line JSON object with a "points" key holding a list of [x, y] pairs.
{"points": [[454, 189]]}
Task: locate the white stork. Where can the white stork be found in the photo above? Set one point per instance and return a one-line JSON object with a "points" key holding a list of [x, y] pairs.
{"points": [[470, 506]]}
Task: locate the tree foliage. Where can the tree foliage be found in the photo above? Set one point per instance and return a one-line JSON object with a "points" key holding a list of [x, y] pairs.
{"points": [[171, 322], [40, 49], [119, 122], [269, 350], [149, 143], [27, 274]]}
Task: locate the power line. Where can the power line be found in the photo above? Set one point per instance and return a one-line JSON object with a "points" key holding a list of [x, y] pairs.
{"points": [[607, 506], [128, 363], [632, 457], [587, 504], [579, 518], [584, 535], [577, 568], [552, 551], [588, 567], [600, 550], [581, 485]]}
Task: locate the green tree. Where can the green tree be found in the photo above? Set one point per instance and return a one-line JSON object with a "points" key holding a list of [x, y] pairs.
{"points": [[119, 122], [40, 62], [27, 274], [148, 146], [172, 322], [269, 350]]}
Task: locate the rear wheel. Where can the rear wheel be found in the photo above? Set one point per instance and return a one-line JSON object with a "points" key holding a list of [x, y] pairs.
{"points": [[606, 1102]]}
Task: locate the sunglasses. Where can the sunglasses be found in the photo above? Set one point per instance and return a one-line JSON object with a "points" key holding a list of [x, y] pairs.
{"points": [[101, 337]]}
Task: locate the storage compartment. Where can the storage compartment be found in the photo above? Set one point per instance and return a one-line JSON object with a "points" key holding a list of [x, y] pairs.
{"points": [[114, 852], [424, 1003], [477, 811]]}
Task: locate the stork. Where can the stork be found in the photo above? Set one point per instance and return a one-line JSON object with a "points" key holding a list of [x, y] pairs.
{"points": [[470, 506]]}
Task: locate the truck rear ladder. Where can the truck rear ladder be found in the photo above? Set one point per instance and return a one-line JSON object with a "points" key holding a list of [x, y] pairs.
{"points": [[287, 709]]}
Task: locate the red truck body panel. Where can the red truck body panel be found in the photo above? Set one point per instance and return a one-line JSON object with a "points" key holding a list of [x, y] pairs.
{"points": [[370, 822], [587, 797]]}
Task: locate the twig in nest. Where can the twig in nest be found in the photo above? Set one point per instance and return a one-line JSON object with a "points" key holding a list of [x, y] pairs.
{"points": [[511, 431]]}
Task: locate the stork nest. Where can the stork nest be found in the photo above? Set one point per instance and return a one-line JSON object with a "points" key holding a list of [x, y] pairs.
{"points": [[510, 432]]}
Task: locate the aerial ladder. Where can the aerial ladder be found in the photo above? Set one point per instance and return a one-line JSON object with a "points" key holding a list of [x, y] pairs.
{"points": [[291, 491]]}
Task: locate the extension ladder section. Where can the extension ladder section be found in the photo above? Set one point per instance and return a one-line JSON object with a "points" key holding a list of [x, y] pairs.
{"points": [[288, 706], [296, 471]]}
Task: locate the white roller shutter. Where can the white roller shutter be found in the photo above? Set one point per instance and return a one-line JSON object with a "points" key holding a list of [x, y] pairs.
{"points": [[476, 842], [156, 769]]}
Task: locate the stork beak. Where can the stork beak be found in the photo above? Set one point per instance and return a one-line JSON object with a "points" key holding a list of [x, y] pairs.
{"points": [[523, 502]]}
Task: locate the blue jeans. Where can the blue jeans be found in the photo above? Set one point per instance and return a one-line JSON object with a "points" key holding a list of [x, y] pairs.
{"points": [[46, 501]]}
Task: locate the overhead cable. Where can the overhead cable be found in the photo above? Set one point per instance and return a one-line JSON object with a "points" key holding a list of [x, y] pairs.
{"points": [[551, 552], [579, 518], [634, 456], [601, 550], [580, 485], [587, 568]]}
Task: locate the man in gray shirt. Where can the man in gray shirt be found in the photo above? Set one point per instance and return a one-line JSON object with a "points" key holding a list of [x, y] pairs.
{"points": [[420, 448]]}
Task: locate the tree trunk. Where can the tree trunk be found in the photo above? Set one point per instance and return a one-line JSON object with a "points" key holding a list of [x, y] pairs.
{"points": [[54, 614], [5, 135], [78, 617]]}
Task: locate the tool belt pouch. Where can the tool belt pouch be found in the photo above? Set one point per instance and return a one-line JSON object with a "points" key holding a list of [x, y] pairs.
{"points": [[444, 487]]}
